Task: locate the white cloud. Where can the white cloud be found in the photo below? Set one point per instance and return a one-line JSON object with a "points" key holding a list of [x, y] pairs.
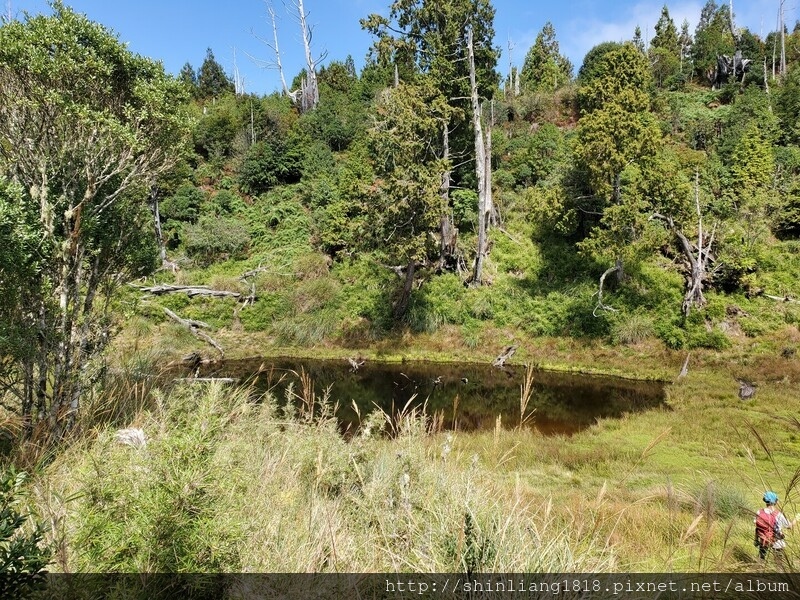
{"points": [[582, 34]]}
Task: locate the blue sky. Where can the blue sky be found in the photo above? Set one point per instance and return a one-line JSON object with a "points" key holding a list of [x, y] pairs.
{"points": [[177, 31]]}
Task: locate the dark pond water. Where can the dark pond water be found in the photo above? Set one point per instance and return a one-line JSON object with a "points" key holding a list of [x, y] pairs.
{"points": [[561, 403]]}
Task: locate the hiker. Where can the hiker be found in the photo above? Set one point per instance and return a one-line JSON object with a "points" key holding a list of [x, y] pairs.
{"points": [[771, 525]]}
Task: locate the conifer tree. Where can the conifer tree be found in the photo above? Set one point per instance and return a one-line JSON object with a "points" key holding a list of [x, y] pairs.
{"points": [[212, 82], [665, 50], [545, 68]]}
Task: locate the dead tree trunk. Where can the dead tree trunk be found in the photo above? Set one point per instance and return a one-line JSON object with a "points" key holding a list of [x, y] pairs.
{"points": [[405, 296], [447, 230], [309, 97], [699, 263], [162, 250], [484, 207], [698, 258], [617, 268], [194, 327], [506, 355], [278, 64], [487, 182], [783, 40]]}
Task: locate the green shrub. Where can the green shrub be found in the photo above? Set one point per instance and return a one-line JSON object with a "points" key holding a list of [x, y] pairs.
{"points": [[23, 556], [307, 329], [217, 312], [279, 225], [753, 327], [439, 302], [182, 207], [465, 209], [672, 334], [720, 501], [215, 238], [268, 309], [313, 294], [270, 162], [226, 202], [713, 340]]}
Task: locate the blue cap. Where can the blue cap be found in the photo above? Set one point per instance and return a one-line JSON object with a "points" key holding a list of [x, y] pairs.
{"points": [[771, 498]]}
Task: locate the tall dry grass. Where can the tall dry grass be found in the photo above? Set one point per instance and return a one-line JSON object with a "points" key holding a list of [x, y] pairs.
{"points": [[228, 482]]}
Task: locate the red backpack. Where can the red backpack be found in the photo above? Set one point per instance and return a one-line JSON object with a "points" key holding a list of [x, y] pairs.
{"points": [[767, 530]]}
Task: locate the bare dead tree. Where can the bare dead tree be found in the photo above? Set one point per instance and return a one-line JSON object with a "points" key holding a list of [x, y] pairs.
{"points": [[490, 209], [195, 328], [698, 257], [504, 356], [309, 89], [734, 32], [617, 268], [162, 249], [685, 368], [448, 232], [783, 40], [273, 45], [484, 200], [699, 263], [510, 86], [238, 82]]}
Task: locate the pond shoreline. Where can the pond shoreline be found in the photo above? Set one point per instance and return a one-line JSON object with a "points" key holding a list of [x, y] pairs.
{"points": [[287, 353]]}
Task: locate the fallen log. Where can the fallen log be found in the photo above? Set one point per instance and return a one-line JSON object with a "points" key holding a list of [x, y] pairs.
{"points": [[189, 290], [194, 327], [500, 361], [782, 298], [229, 380], [355, 364]]}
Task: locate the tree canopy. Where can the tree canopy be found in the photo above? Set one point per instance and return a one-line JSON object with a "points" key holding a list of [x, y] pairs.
{"points": [[545, 67], [86, 127]]}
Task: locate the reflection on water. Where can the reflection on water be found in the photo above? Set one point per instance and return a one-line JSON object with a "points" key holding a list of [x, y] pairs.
{"points": [[561, 403]]}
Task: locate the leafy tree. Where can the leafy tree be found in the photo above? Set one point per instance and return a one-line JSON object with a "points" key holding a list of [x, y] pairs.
{"points": [[212, 82], [665, 51], [341, 114], [617, 127], [407, 206], [637, 39], [215, 238], [270, 162], [751, 107], [215, 131], [685, 41], [429, 36], [787, 105], [189, 77], [593, 60], [752, 171], [107, 124], [427, 41], [712, 37], [545, 67], [787, 216], [666, 33], [616, 132]]}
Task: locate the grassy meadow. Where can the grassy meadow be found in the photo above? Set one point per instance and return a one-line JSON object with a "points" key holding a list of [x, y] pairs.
{"points": [[232, 482]]}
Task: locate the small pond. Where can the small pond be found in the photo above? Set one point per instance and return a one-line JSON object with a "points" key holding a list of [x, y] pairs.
{"points": [[467, 396]]}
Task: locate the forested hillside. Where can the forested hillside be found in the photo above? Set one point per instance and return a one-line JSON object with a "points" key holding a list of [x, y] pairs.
{"points": [[631, 200], [425, 204]]}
